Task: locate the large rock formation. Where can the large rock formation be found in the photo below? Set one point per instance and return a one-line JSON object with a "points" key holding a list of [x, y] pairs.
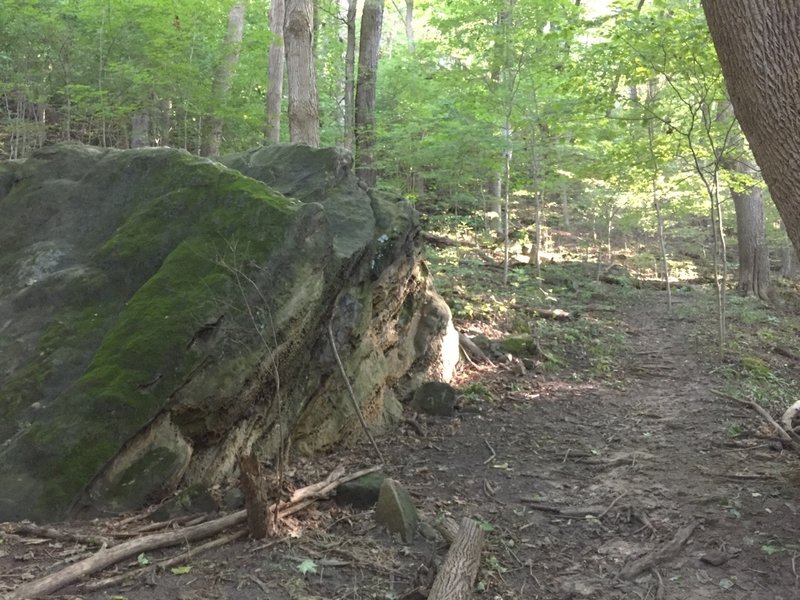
{"points": [[161, 313]]}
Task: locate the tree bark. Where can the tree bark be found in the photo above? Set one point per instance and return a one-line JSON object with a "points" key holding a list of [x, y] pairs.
{"points": [[752, 236], [256, 499], [301, 73], [369, 44], [757, 46], [350, 77], [223, 76], [272, 131], [409, 22], [140, 129], [456, 578]]}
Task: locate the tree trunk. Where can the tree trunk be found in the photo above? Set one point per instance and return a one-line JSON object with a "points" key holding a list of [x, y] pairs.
{"points": [[272, 132], [140, 129], [223, 76], [752, 235], [369, 44], [788, 256], [350, 77], [301, 73], [409, 21], [757, 46]]}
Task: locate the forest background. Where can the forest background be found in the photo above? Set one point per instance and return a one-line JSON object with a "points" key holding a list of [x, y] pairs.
{"points": [[532, 121]]}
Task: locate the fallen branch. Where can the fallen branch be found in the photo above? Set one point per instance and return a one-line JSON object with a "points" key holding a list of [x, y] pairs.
{"points": [[106, 558], [101, 584], [110, 556], [566, 511], [456, 578], [28, 528], [665, 552], [554, 314], [790, 439]]}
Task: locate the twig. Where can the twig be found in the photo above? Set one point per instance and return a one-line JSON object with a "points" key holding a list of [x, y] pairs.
{"points": [[660, 592], [565, 511], [494, 454], [352, 395], [610, 506]]}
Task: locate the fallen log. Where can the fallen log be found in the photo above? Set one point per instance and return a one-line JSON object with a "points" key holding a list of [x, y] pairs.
{"points": [[553, 314], [110, 556], [472, 350], [442, 241], [28, 528], [448, 528], [456, 578]]}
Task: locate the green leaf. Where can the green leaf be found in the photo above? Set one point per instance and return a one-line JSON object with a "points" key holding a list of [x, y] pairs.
{"points": [[143, 560], [181, 570], [485, 525], [769, 549], [307, 566]]}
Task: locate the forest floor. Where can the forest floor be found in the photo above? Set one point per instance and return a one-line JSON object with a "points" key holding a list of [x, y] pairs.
{"points": [[575, 471]]}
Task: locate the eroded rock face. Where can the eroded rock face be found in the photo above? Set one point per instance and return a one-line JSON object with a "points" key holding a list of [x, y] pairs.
{"points": [[160, 313]]}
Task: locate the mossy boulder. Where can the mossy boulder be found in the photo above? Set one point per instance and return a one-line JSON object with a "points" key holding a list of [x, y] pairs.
{"points": [[151, 301]]}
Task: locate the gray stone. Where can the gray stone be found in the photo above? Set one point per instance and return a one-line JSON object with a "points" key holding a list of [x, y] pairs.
{"points": [[194, 500], [362, 492], [435, 398], [233, 499], [137, 289], [396, 511]]}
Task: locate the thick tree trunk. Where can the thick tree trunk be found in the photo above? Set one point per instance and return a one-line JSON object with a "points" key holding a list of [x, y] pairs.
{"points": [[272, 131], [752, 235], [757, 46], [369, 44], [223, 76], [301, 73], [350, 77]]}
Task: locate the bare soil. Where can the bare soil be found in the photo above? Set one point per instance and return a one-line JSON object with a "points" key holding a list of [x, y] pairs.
{"points": [[574, 479]]}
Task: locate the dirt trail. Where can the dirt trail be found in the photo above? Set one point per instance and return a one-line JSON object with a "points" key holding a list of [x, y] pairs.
{"points": [[585, 479], [645, 461]]}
